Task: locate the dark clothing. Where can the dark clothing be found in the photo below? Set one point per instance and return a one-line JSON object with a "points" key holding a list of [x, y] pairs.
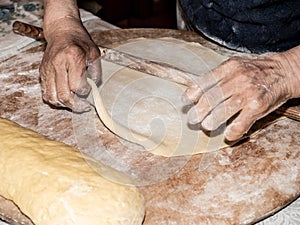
{"points": [[248, 25]]}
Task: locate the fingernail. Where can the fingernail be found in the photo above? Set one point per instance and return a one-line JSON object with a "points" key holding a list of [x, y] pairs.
{"points": [[193, 116], [230, 133], [84, 91], [207, 123]]}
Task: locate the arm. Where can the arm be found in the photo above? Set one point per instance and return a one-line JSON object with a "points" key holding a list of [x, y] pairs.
{"points": [[69, 58], [248, 89]]}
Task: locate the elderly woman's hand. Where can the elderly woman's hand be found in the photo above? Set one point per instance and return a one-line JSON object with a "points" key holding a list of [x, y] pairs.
{"points": [[70, 57], [244, 90]]}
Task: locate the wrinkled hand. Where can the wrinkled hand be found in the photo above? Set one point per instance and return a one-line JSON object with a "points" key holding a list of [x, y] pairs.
{"points": [[69, 58], [248, 89]]}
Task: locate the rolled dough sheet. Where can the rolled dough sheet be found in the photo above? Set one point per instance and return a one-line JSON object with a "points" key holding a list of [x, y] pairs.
{"points": [[152, 106]]}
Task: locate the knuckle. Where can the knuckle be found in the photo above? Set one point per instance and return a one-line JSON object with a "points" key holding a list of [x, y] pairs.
{"points": [[74, 51], [234, 61], [57, 59], [257, 106]]}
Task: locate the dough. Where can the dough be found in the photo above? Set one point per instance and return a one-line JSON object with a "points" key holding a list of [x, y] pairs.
{"points": [[148, 110], [54, 184]]}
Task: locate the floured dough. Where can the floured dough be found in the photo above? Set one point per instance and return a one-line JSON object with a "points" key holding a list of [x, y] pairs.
{"points": [[54, 184], [148, 110]]}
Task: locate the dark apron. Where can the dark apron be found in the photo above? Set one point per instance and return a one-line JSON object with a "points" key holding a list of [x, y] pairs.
{"points": [[247, 25]]}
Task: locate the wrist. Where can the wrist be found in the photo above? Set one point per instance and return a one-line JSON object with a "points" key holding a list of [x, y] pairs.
{"points": [[291, 64], [63, 26], [58, 14]]}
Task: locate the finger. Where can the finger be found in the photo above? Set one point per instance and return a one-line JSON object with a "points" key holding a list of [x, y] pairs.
{"points": [[222, 113], [240, 125], [192, 94], [70, 100], [47, 74], [94, 70], [207, 102], [77, 76], [204, 83], [207, 81], [94, 64], [64, 94]]}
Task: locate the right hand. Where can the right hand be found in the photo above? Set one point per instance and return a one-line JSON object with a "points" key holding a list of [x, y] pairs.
{"points": [[70, 57], [248, 89]]}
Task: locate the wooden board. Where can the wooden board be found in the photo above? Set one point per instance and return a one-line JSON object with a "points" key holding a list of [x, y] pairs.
{"points": [[236, 185]]}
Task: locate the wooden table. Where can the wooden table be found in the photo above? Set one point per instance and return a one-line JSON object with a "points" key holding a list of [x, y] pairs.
{"points": [[236, 185]]}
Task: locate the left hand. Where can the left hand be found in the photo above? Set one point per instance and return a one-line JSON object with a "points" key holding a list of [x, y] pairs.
{"points": [[70, 57], [244, 90]]}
